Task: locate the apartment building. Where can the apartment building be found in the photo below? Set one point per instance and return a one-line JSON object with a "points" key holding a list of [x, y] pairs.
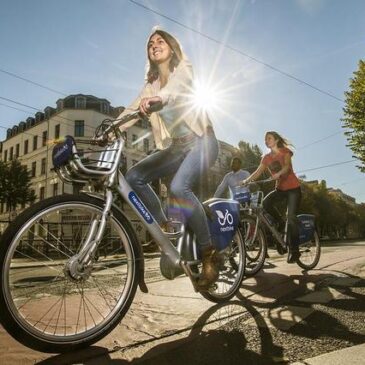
{"points": [[31, 141]]}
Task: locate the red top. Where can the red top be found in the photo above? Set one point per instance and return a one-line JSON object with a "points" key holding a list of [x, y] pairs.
{"points": [[275, 163]]}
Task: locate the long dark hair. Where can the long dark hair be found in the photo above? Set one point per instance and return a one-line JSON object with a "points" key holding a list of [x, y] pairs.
{"points": [[282, 142], [152, 69]]}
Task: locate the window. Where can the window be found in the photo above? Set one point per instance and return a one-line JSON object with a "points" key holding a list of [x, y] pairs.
{"points": [[17, 150], [35, 142], [55, 189], [41, 193], [44, 138], [57, 131], [34, 168], [105, 108], [79, 128], [43, 166], [134, 138], [11, 154], [26, 143], [144, 123], [80, 102], [125, 136], [5, 155], [146, 145], [59, 104]]}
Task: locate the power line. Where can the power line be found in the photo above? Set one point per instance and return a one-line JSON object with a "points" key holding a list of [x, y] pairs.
{"points": [[31, 82], [325, 166], [319, 140], [284, 73]]}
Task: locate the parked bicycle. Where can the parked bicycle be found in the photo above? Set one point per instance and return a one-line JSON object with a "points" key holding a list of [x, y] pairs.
{"points": [[71, 264], [253, 220]]}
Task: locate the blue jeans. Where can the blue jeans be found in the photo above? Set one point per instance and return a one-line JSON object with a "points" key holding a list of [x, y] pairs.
{"points": [[293, 197], [188, 163]]}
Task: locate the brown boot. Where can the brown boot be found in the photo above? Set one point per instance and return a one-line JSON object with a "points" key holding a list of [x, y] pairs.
{"points": [[210, 270]]}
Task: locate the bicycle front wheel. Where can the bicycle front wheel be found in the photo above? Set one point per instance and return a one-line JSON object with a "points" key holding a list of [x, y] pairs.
{"points": [[42, 306]]}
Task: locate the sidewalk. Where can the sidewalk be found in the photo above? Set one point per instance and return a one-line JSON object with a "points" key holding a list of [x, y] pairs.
{"points": [[354, 355], [172, 321]]}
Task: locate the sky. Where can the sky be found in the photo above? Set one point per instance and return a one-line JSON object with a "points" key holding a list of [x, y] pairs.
{"points": [[236, 46]]}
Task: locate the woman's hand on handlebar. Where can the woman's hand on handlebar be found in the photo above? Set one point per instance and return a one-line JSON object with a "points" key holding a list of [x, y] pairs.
{"points": [[148, 105]]}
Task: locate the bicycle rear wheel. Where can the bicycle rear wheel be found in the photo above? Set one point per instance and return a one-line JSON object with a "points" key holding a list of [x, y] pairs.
{"points": [[231, 271], [42, 305], [310, 253]]}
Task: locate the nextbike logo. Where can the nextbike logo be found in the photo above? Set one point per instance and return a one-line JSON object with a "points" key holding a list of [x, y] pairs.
{"points": [[140, 207], [225, 218]]}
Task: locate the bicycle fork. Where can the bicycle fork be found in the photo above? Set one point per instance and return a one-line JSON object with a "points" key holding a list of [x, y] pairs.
{"points": [[79, 265]]}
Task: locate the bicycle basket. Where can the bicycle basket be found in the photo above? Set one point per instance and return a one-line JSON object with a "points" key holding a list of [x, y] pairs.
{"points": [[241, 194], [90, 163]]}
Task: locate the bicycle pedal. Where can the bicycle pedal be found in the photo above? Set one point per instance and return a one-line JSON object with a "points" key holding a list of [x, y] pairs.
{"points": [[281, 250]]}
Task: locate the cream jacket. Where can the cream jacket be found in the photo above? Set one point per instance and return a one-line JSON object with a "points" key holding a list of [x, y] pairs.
{"points": [[178, 93]]}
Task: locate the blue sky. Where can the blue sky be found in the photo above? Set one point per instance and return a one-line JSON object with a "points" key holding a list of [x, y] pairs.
{"points": [[98, 47]]}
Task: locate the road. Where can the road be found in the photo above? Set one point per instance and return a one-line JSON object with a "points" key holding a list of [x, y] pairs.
{"points": [[280, 316]]}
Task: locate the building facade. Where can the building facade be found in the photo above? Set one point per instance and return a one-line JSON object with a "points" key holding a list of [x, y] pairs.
{"points": [[31, 141]]}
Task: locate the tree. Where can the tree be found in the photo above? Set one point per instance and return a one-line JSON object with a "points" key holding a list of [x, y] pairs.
{"points": [[15, 185], [354, 115], [250, 155]]}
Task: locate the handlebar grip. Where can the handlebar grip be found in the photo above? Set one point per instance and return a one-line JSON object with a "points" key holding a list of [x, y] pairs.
{"points": [[155, 107]]}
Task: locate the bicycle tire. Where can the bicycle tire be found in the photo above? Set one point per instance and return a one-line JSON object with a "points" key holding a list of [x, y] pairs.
{"points": [[13, 315], [225, 287], [308, 259]]}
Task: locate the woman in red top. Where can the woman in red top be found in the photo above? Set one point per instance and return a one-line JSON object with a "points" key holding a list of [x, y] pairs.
{"points": [[278, 161]]}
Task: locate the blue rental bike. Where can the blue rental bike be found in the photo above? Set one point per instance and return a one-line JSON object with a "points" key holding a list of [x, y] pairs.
{"points": [[70, 265], [254, 219]]}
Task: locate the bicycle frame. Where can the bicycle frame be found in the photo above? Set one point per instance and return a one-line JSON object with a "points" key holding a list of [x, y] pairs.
{"points": [[116, 181]]}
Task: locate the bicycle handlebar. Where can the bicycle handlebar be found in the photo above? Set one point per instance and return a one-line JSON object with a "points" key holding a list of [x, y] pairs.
{"points": [[111, 126], [258, 181]]}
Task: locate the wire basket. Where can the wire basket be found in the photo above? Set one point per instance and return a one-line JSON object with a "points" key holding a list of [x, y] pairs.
{"points": [[83, 165]]}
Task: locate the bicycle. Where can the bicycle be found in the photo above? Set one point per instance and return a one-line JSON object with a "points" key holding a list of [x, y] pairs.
{"points": [[254, 218], [71, 264]]}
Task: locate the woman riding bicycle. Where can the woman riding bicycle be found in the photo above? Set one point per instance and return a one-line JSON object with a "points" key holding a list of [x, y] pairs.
{"points": [[193, 148], [279, 163]]}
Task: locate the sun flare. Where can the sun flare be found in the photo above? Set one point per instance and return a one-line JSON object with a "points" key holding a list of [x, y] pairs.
{"points": [[205, 96]]}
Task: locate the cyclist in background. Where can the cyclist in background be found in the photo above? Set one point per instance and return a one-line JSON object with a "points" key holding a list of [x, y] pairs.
{"points": [[233, 179], [287, 187]]}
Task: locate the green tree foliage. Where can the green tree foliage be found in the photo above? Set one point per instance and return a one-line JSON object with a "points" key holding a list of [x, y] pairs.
{"points": [[250, 155], [335, 217], [15, 185], [354, 115]]}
